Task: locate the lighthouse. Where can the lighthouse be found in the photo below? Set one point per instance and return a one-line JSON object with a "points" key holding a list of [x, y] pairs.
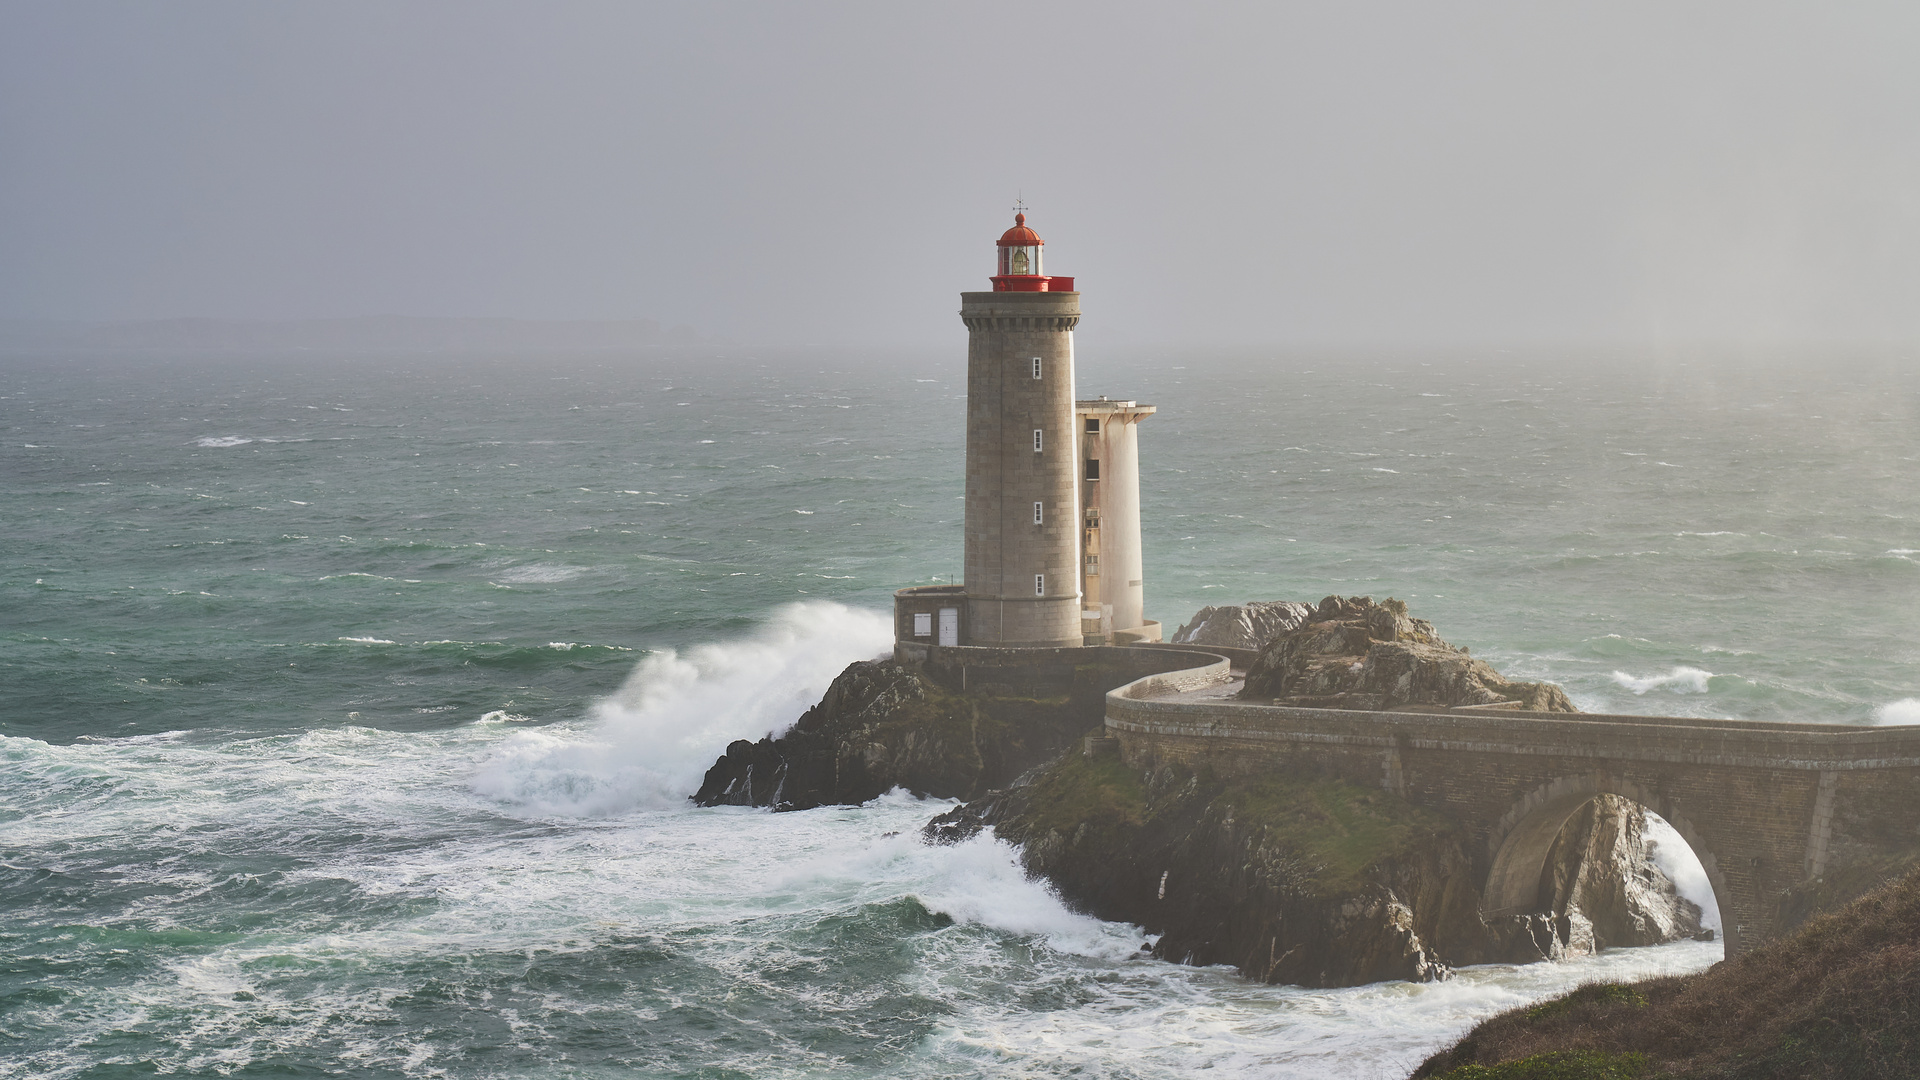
{"points": [[1052, 550], [1022, 502]]}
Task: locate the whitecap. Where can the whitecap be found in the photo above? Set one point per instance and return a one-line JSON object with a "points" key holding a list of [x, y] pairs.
{"points": [[541, 574], [219, 441], [1679, 680], [367, 640]]}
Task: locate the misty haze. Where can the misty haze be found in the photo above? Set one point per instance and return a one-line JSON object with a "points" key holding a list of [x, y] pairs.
{"points": [[588, 540]]}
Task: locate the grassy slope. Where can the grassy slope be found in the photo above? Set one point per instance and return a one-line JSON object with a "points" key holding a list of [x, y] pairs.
{"points": [[1839, 998], [1336, 829]]}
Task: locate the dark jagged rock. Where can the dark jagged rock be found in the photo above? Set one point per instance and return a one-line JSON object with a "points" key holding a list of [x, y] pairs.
{"points": [[1243, 626], [1352, 653], [884, 724], [1309, 880]]}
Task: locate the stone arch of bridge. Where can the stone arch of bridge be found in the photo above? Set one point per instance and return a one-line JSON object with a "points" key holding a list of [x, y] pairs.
{"points": [[1521, 840]]}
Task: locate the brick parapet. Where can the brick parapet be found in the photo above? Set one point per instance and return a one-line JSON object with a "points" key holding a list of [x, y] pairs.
{"points": [[1666, 740]]}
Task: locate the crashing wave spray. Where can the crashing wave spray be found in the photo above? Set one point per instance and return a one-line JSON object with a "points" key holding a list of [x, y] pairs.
{"points": [[651, 741], [1676, 859], [1904, 711]]}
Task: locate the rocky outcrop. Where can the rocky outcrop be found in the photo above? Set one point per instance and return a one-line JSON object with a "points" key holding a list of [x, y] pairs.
{"points": [[1352, 653], [1602, 889], [1243, 626], [1310, 880], [884, 724]]}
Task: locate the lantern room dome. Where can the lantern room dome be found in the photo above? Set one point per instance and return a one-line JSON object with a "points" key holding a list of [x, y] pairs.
{"points": [[1020, 235]]}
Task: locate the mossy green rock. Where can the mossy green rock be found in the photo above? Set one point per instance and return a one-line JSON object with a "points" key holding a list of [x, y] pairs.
{"points": [[1294, 879]]}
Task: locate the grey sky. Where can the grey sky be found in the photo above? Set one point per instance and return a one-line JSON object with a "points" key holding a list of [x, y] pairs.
{"points": [[1286, 174]]}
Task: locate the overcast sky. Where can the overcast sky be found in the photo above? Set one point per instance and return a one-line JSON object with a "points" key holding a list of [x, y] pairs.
{"points": [[1274, 173]]}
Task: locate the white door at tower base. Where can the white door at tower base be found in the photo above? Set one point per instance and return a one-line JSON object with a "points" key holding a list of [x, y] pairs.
{"points": [[949, 626]]}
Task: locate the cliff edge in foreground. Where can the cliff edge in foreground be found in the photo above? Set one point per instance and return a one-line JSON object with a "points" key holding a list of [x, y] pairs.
{"points": [[1838, 998]]}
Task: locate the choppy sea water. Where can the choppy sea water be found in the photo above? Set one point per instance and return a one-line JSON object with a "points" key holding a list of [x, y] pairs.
{"points": [[347, 705]]}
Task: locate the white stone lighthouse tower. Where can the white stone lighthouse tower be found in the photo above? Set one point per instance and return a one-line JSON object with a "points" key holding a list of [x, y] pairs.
{"points": [[1022, 528]]}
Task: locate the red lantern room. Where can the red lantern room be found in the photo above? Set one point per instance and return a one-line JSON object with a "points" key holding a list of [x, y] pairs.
{"points": [[1020, 262]]}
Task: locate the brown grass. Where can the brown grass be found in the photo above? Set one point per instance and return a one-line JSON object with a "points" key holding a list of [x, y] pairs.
{"points": [[1839, 998]]}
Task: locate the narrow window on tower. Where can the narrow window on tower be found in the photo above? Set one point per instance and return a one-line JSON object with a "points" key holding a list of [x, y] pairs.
{"points": [[1093, 425], [1039, 584], [1036, 367], [1093, 468], [1036, 512], [1036, 440]]}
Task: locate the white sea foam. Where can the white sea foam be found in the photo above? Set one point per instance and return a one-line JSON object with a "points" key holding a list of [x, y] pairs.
{"points": [[221, 441], [540, 574], [1679, 680], [652, 740], [368, 640], [982, 882], [738, 893], [1904, 711]]}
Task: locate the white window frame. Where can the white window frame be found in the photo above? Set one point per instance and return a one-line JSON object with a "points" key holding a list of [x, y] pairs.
{"points": [[1038, 511], [1039, 584], [1038, 441], [1036, 367]]}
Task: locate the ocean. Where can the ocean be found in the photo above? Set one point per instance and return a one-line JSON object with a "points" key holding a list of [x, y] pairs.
{"points": [[349, 704]]}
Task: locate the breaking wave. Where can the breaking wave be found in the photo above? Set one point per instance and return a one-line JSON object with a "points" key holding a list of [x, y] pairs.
{"points": [[1680, 680], [1904, 711], [221, 441], [648, 744]]}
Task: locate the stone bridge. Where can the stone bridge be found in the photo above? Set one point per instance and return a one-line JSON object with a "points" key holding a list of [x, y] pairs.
{"points": [[1767, 807]]}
